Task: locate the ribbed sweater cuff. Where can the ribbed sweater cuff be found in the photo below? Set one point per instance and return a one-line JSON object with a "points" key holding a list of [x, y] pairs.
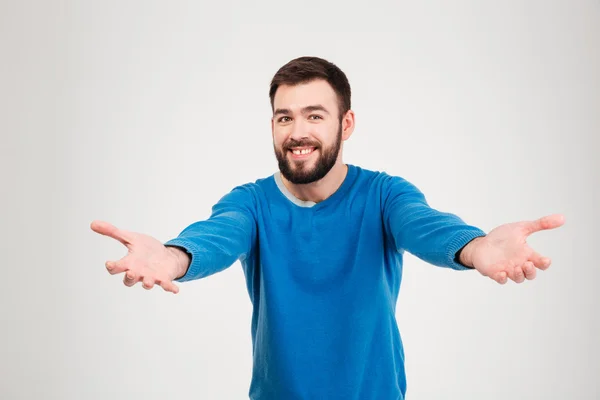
{"points": [[458, 242], [190, 248]]}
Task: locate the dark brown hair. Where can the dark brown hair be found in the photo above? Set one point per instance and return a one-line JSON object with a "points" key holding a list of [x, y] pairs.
{"points": [[306, 69]]}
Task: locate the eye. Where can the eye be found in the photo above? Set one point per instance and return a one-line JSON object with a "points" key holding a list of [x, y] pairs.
{"points": [[315, 115], [282, 119]]}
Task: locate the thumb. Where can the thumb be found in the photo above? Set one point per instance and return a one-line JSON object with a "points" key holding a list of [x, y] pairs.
{"points": [[544, 223], [106, 229]]}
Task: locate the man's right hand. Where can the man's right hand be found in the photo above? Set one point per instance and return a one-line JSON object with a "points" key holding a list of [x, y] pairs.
{"points": [[148, 260]]}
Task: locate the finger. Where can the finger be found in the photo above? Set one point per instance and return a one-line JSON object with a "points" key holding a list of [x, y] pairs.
{"points": [[500, 277], [518, 274], [106, 229], [115, 267], [547, 222], [539, 261], [510, 271], [169, 286], [130, 278], [147, 283], [529, 270]]}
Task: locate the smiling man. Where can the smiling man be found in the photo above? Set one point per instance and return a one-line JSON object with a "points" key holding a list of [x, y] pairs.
{"points": [[321, 243]]}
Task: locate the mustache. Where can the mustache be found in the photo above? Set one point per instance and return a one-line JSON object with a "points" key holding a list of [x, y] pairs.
{"points": [[300, 143]]}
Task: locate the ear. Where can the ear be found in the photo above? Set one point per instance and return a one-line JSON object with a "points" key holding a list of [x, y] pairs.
{"points": [[348, 123]]}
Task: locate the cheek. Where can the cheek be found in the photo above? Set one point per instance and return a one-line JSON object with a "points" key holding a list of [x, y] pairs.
{"points": [[326, 134], [277, 140], [278, 143], [280, 136]]}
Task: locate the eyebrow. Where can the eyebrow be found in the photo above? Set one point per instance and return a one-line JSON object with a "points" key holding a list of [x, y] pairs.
{"points": [[305, 110]]}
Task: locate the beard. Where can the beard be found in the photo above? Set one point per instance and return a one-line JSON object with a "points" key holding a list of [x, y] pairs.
{"points": [[300, 172]]}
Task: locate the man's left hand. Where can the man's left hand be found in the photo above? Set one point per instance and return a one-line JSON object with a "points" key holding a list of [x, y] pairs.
{"points": [[504, 253]]}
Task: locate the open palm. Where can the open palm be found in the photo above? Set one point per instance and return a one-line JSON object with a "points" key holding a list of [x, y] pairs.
{"points": [[504, 253], [147, 261]]}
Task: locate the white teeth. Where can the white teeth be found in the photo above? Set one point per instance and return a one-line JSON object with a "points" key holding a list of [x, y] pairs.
{"points": [[304, 151]]}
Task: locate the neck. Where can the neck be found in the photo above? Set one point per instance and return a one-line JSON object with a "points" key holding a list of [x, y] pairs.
{"points": [[321, 189]]}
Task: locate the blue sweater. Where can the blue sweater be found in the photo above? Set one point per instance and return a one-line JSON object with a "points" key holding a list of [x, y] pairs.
{"points": [[324, 278]]}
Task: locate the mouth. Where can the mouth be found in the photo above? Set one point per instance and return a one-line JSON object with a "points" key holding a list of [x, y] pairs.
{"points": [[299, 153]]}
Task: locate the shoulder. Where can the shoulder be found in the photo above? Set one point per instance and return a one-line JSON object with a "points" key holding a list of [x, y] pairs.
{"points": [[393, 191], [250, 193], [384, 181]]}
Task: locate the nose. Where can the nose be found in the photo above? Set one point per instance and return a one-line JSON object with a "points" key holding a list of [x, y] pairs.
{"points": [[299, 130]]}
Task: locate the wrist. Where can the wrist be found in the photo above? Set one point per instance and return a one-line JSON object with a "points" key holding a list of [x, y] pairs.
{"points": [[465, 256], [183, 260]]}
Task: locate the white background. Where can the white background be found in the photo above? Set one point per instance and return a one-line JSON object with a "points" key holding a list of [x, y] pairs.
{"points": [[145, 113]]}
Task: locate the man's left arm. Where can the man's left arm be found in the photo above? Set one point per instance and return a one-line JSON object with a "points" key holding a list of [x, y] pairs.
{"points": [[439, 238], [444, 239]]}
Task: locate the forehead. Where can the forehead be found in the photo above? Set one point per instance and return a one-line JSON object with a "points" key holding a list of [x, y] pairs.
{"points": [[304, 94]]}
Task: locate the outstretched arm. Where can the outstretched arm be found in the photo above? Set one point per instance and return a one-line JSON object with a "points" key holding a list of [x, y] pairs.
{"points": [[202, 249], [431, 235], [444, 239], [215, 244]]}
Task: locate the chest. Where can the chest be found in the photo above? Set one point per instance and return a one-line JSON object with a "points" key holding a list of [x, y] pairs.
{"points": [[320, 246]]}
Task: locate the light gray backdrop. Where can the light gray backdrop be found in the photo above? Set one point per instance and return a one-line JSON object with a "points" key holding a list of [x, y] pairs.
{"points": [[145, 113]]}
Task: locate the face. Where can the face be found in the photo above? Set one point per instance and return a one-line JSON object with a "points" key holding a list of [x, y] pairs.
{"points": [[307, 133]]}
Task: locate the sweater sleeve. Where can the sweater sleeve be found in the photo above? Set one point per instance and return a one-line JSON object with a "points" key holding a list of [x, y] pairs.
{"points": [[412, 225], [227, 236]]}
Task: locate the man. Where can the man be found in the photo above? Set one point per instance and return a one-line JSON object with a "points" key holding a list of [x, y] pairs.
{"points": [[321, 245]]}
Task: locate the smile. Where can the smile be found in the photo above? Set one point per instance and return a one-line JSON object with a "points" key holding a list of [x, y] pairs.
{"points": [[302, 151]]}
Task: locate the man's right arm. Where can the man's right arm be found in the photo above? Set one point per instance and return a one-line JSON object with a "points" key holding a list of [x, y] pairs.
{"points": [[210, 246], [183, 260]]}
